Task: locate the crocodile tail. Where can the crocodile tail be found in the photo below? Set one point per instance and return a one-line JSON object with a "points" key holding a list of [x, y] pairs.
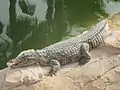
{"points": [[97, 33]]}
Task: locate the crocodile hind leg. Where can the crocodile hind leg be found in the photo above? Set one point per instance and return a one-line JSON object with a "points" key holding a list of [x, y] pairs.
{"points": [[55, 66], [84, 54]]}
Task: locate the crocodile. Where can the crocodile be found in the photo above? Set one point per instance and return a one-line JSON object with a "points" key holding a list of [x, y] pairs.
{"points": [[76, 49]]}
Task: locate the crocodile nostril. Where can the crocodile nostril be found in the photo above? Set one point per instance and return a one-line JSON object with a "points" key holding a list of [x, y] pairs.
{"points": [[12, 60]]}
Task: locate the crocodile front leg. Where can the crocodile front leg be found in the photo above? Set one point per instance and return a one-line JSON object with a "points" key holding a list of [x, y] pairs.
{"points": [[84, 54], [55, 66]]}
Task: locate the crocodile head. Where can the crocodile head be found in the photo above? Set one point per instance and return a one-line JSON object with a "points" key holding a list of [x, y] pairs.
{"points": [[24, 59], [18, 63]]}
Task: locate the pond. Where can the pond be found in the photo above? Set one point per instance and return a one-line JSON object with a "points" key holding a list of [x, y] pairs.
{"points": [[26, 24]]}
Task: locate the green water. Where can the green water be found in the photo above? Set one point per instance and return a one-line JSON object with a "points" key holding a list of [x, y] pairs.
{"points": [[39, 23]]}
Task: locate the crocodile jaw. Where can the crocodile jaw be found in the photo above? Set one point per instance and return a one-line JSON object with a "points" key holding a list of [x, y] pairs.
{"points": [[14, 63]]}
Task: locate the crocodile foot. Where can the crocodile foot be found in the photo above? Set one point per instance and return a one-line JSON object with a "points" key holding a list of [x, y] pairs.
{"points": [[84, 54], [55, 66]]}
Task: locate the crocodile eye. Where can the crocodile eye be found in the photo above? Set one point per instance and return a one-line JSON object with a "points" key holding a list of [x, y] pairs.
{"points": [[23, 54]]}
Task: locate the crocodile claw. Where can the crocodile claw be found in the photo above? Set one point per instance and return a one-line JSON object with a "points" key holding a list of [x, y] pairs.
{"points": [[52, 73]]}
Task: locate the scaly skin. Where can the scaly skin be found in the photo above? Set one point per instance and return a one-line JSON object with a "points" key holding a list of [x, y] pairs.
{"points": [[64, 52]]}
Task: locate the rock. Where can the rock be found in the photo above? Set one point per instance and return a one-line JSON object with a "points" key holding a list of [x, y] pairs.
{"points": [[18, 77], [101, 73], [113, 37]]}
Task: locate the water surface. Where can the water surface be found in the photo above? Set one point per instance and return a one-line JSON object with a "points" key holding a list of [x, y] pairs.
{"points": [[26, 24]]}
